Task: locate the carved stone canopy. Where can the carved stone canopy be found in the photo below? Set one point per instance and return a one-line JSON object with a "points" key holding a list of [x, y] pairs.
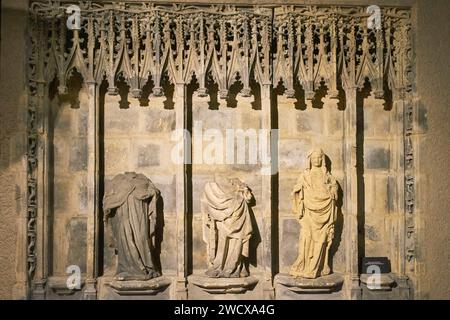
{"points": [[142, 42]]}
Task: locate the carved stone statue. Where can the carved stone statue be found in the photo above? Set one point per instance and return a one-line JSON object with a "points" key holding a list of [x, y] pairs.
{"points": [[129, 206], [227, 227], [314, 203]]}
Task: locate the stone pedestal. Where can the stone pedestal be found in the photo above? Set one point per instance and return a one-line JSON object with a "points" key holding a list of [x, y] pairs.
{"points": [[56, 289], [223, 285], [323, 288], [386, 287], [204, 287], [153, 289], [382, 282]]}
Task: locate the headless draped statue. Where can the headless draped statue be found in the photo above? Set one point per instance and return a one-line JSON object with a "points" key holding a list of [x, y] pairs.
{"points": [[227, 227], [129, 205], [314, 203]]}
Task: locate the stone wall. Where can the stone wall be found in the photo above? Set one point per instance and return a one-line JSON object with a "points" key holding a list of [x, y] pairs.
{"points": [[302, 128], [127, 129], [137, 138], [13, 144], [69, 191], [433, 50]]}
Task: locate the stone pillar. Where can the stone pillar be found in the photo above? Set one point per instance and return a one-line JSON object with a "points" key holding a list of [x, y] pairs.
{"points": [[351, 195], [90, 292], [43, 209], [180, 185], [402, 232], [268, 169]]}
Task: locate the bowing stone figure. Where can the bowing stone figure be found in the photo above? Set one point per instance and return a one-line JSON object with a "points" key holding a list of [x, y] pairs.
{"points": [[227, 227]]}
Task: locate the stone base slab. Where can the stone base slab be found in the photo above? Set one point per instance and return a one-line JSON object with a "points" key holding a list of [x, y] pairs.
{"points": [[223, 285], [325, 284], [382, 282], [153, 289]]}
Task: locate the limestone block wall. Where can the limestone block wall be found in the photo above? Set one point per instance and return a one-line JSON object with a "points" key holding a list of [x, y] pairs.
{"points": [[301, 128], [137, 138], [431, 42], [69, 192], [380, 199], [242, 117]]}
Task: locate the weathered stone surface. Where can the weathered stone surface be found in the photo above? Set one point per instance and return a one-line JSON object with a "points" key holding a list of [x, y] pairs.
{"points": [[422, 119], [199, 253], [377, 157], [214, 119], [168, 242], [82, 195], [61, 197], [290, 231], [166, 184], [140, 288], [78, 155], [154, 289], [223, 286], [76, 254], [83, 122], [148, 155], [117, 153], [198, 185], [371, 233], [285, 193], [249, 120], [309, 122], [376, 120], [157, 121], [292, 153], [326, 284]]}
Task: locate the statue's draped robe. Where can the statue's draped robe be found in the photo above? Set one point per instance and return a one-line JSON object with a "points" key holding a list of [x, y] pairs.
{"points": [[130, 206], [314, 202], [227, 229]]}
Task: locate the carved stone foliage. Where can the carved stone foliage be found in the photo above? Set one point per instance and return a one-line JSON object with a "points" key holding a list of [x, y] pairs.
{"points": [[140, 42], [34, 62], [311, 45], [334, 46]]}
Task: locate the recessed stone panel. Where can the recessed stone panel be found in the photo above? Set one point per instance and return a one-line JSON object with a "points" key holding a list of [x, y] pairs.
{"points": [[290, 232], [377, 157], [76, 254]]}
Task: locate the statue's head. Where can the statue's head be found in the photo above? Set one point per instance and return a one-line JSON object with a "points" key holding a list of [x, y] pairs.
{"points": [[317, 158]]}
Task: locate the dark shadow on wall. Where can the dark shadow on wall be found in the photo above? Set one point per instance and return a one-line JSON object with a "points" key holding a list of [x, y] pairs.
{"points": [[275, 182], [255, 240], [159, 233], [190, 90], [213, 91], [53, 110], [339, 224], [361, 213], [101, 144]]}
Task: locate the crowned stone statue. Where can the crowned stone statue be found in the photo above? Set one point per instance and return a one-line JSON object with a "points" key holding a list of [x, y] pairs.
{"points": [[314, 203]]}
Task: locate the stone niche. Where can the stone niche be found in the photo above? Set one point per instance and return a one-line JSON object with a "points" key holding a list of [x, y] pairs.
{"points": [[113, 95]]}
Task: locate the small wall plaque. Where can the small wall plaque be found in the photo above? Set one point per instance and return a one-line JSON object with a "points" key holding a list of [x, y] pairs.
{"points": [[371, 265]]}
